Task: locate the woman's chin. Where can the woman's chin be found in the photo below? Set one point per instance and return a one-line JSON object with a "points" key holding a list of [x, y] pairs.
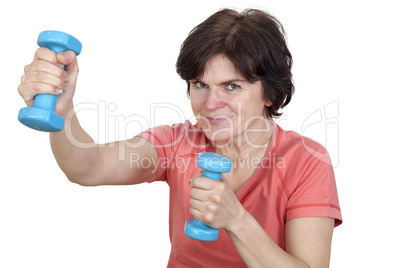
{"points": [[222, 138]]}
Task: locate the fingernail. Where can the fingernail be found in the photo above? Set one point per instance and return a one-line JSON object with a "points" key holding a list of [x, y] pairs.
{"points": [[63, 56], [59, 91]]}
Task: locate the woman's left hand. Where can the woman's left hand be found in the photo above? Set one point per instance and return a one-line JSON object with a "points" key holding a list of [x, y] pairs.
{"points": [[214, 202]]}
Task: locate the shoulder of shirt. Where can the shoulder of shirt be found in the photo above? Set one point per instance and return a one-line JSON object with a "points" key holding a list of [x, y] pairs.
{"points": [[293, 143], [177, 128], [186, 125], [183, 136], [187, 129]]}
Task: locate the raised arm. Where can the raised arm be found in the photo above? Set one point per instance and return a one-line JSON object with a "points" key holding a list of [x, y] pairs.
{"points": [[81, 159]]}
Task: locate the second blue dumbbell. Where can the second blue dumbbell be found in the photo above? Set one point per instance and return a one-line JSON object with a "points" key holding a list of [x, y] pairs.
{"points": [[41, 115], [213, 165]]}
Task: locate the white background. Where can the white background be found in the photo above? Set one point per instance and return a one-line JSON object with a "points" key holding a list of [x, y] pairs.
{"points": [[347, 69]]}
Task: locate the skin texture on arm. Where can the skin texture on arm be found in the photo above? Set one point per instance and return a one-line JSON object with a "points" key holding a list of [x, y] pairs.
{"points": [[109, 164], [310, 239], [308, 243]]}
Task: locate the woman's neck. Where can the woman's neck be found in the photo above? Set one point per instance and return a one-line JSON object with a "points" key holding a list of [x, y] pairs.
{"points": [[251, 144]]}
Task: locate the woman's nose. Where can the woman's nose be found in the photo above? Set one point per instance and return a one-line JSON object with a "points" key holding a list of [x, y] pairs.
{"points": [[214, 100]]}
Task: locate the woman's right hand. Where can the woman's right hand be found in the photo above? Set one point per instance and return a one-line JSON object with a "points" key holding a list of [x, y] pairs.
{"points": [[46, 75]]}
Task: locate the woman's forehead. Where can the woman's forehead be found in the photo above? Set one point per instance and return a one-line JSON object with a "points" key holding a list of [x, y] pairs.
{"points": [[220, 66]]}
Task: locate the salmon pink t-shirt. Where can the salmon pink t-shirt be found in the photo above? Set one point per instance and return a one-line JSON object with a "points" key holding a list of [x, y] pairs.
{"points": [[294, 179]]}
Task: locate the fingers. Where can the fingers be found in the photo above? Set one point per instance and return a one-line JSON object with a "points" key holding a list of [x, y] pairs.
{"points": [[199, 194], [203, 182], [41, 77], [67, 58], [29, 91], [45, 54], [44, 75], [213, 202], [206, 213], [36, 82], [202, 206], [206, 197]]}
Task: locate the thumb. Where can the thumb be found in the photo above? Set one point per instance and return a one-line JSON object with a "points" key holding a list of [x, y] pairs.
{"points": [[190, 181], [69, 60]]}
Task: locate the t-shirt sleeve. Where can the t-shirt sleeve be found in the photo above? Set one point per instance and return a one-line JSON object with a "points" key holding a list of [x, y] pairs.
{"points": [[312, 187], [163, 139]]}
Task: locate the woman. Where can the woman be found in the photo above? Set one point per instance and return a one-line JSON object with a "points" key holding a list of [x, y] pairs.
{"points": [[278, 205]]}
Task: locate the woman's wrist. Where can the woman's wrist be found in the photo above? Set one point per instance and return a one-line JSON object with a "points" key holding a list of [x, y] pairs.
{"points": [[67, 110], [240, 222]]}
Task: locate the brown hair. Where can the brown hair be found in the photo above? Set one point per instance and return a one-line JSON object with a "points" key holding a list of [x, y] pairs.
{"points": [[255, 43]]}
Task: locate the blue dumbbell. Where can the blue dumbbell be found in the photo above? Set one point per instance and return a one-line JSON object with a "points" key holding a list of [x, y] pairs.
{"points": [[213, 165], [41, 115]]}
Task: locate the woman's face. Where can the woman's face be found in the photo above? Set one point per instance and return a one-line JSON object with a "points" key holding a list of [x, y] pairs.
{"points": [[229, 109]]}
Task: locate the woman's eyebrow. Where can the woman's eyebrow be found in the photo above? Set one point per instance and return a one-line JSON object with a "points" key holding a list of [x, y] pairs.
{"points": [[227, 82], [232, 81]]}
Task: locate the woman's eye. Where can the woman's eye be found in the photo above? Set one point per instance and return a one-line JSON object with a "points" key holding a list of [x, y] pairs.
{"points": [[232, 87], [200, 85]]}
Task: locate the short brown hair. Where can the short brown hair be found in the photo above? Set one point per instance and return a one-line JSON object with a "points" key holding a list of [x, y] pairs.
{"points": [[255, 43]]}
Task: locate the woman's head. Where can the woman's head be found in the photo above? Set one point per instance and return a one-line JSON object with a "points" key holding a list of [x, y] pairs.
{"points": [[253, 41]]}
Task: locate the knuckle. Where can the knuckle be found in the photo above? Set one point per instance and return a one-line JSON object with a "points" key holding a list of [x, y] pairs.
{"points": [[191, 202], [40, 76], [216, 198], [212, 208], [40, 50], [39, 53], [44, 52], [196, 181], [36, 87], [191, 210], [23, 93], [208, 218], [21, 90], [26, 68]]}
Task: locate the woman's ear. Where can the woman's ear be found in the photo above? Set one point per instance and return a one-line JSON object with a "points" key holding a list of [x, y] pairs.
{"points": [[268, 103]]}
